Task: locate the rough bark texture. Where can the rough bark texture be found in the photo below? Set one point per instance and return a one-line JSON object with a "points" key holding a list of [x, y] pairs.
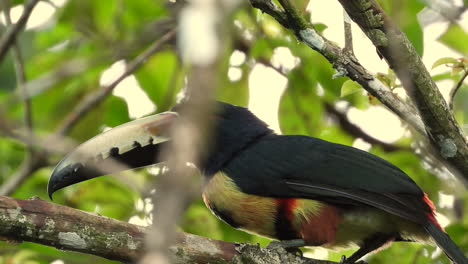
{"points": [[66, 228], [432, 118], [401, 56], [344, 63]]}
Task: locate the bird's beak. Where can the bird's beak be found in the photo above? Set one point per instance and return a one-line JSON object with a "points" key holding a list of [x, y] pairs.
{"points": [[131, 145]]}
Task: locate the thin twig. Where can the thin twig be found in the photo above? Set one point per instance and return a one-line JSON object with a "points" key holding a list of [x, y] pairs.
{"points": [[26, 169], [95, 98], [445, 135], [348, 48], [392, 44], [357, 132], [32, 161], [30, 165], [20, 78], [349, 65], [455, 89], [9, 37]]}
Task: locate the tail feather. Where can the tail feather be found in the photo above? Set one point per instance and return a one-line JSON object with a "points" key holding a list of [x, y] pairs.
{"points": [[445, 243]]}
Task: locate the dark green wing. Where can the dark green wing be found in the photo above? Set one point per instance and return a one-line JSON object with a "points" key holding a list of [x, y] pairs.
{"points": [[305, 167]]}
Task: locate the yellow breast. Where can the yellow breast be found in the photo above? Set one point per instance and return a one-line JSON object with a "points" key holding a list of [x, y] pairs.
{"points": [[251, 213]]}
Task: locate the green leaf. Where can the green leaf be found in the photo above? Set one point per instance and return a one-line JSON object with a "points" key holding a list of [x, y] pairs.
{"points": [[350, 87], [455, 38], [262, 48], [234, 92], [443, 61], [161, 78], [199, 220], [320, 27], [300, 108], [116, 111]]}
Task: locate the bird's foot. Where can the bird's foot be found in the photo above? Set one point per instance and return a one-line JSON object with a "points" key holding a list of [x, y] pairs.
{"points": [[291, 246], [344, 260]]}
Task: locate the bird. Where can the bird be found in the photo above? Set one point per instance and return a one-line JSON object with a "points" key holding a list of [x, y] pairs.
{"points": [[295, 189]]}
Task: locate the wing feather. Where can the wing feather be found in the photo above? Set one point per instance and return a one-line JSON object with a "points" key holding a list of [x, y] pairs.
{"points": [[305, 167]]}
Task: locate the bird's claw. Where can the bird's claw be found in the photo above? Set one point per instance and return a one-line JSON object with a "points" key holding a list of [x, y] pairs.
{"points": [[275, 244], [289, 247]]}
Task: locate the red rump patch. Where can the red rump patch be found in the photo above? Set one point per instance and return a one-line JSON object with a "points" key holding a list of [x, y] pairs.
{"points": [[321, 228], [431, 214]]}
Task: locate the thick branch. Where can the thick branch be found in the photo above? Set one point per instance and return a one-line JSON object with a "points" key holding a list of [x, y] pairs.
{"points": [[66, 228], [400, 54]]}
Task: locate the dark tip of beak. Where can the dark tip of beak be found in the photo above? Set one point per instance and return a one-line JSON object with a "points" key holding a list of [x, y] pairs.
{"points": [[65, 176]]}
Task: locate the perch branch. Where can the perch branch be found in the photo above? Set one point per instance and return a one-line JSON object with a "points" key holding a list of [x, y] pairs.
{"points": [[70, 229]]}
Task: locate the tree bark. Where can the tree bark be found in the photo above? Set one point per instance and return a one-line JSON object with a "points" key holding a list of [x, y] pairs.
{"points": [[440, 124], [70, 229]]}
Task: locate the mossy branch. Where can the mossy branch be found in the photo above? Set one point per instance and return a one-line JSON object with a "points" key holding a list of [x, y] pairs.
{"points": [[442, 129], [70, 229], [432, 118]]}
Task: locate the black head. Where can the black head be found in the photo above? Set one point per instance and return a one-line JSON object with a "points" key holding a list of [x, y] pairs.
{"points": [[235, 128]]}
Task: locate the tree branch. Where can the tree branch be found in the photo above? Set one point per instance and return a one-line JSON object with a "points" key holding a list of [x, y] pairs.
{"points": [[348, 48], [29, 165], [455, 89], [69, 229], [95, 98], [400, 54], [347, 64], [357, 132], [39, 160], [9, 37]]}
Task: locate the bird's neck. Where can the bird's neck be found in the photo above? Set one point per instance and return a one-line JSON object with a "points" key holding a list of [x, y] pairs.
{"points": [[230, 141]]}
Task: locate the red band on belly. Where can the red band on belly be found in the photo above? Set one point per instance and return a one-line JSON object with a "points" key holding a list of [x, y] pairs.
{"points": [[321, 228]]}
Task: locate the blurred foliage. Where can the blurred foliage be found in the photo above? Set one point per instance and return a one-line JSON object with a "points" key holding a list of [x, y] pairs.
{"points": [[103, 32]]}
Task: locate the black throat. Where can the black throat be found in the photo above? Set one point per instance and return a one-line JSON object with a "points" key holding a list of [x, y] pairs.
{"points": [[236, 128]]}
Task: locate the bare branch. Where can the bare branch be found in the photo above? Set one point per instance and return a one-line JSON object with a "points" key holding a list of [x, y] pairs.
{"points": [[348, 64], [348, 48], [402, 57], [69, 229], [455, 89], [21, 80], [357, 132], [9, 37], [95, 98], [29, 165]]}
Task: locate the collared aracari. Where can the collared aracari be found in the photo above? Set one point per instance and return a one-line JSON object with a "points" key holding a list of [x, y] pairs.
{"points": [[299, 190]]}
